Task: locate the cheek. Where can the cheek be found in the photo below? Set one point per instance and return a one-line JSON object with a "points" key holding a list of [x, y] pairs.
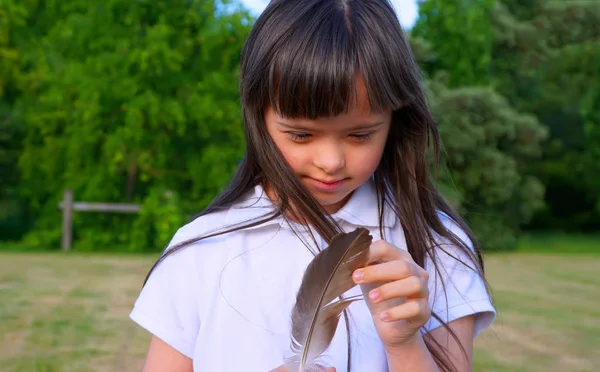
{"points": [[295, 156], [295, 159], [365, 162], [367, 159]]}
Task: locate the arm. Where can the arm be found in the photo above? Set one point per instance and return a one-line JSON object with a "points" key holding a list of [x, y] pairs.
{"points": [[464, 329], [415, 356], [163, 358]]}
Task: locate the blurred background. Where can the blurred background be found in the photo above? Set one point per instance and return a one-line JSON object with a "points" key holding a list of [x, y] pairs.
{"points": [[119, 119]]}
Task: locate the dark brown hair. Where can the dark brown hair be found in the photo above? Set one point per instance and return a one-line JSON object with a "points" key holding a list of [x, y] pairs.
{"points": [[302, 58]]}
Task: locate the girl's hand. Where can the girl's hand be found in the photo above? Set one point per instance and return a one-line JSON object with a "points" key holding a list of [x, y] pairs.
{"points": [[397, 293]]}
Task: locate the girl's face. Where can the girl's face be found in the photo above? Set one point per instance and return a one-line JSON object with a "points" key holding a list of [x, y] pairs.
{"points": [[332, 156]]}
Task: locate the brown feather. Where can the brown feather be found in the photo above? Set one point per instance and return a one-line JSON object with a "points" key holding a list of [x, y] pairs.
{"points": [[329, 275]]}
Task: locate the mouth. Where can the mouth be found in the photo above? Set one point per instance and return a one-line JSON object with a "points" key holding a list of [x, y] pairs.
{"points": [[329, 182], [327, 185]]}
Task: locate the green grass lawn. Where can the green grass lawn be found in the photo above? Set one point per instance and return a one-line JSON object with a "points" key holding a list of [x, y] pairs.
{"points": [[548, 313], [68, 312]]}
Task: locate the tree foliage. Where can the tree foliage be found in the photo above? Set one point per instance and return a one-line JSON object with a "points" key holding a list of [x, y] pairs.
{"points": [[461, 37], [545, 62], [487, 145], [132, 100], [12, 211], [591, 118], [137, 102]]}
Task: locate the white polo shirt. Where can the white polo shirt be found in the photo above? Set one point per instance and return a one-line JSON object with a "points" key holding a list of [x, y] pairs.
{"points": [[225, 302]]}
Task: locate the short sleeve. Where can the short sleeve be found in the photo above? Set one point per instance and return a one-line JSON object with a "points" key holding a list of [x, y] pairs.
{"points": [[165, 308], [456, 287]]}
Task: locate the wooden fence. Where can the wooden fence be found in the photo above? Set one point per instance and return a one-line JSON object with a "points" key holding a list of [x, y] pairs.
{"points": [[68, 206]]}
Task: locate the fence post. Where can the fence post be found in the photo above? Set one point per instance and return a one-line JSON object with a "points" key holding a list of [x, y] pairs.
{"points": [[67, 223]]}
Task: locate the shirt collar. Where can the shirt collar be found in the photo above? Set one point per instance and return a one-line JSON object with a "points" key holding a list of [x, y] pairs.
{"points": [[360, 210]]}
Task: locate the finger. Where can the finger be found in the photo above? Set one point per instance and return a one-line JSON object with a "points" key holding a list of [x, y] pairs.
{"points": [[385, 252], [388, 271], [411, 287], [414, 309], [377, 308]]}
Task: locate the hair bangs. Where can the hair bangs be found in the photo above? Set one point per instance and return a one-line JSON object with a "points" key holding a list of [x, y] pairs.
{"points": [[317, 68]]}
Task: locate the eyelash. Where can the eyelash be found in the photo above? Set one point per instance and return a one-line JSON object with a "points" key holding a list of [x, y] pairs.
{"points": [[362, 136], [298, 136], [305, 136]]}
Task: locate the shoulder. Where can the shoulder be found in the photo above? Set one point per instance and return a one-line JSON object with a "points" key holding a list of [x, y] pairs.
{"points": [[454, 228], [169, 304], [457, 285], [202, 226], [453, 250], [191, 244], [217, 235], [217, 226]]}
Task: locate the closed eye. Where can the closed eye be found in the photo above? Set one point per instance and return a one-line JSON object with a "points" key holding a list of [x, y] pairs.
{"points": [[361, 136], [298, 137]]}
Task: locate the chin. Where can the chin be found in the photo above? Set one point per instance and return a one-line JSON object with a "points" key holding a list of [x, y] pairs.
{"points": [[335, 202]]}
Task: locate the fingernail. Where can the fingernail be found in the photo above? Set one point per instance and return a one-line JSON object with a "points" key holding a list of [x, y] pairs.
{"points": [[358, 276], [374, 295], [384, 316]]}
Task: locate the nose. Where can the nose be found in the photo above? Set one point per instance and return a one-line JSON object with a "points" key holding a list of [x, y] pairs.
{"points": [[330, 157]]}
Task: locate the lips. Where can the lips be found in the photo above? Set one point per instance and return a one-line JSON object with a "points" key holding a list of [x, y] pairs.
{"points": [[328, 182], [327, 185]]}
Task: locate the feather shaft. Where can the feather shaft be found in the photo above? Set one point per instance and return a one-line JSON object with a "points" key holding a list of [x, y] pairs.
{"points": [[316, 315]]}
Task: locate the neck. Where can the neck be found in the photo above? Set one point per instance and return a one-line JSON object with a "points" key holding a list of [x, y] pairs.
{"points": [[292, 212]]}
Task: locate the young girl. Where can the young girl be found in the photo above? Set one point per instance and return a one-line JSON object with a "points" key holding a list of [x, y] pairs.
{"points": [[337, 133]]}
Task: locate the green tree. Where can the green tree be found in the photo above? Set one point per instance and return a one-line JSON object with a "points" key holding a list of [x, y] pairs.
{"points": [[486, 146], [12, 213], [132, 99], [544, 61], [460, 34], [591, 116], [487, 142]]}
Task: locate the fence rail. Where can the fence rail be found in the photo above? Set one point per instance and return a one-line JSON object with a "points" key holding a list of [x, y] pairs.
{"points": [[68, 206]]}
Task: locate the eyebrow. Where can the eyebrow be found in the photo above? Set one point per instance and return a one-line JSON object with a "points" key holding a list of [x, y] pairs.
{"points": [[358, 127]]}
